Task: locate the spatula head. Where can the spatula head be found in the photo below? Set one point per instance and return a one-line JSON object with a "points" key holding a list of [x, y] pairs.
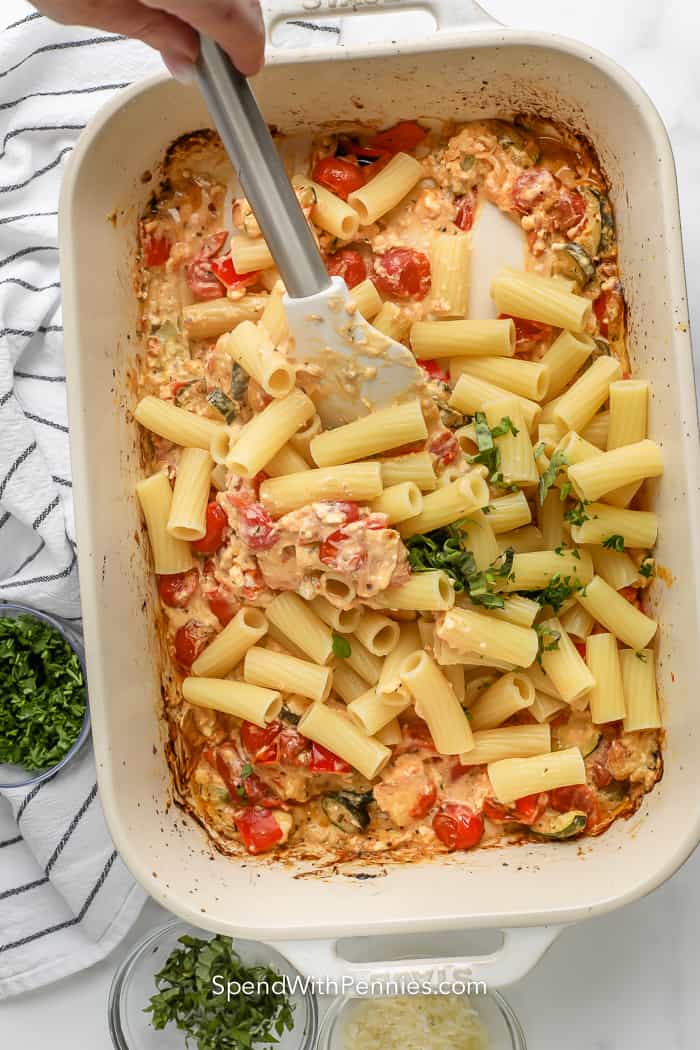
{"points": [[353, 368]]}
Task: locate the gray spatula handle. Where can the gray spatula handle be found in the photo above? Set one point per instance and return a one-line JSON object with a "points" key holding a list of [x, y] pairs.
{"points": [[249, 144]]}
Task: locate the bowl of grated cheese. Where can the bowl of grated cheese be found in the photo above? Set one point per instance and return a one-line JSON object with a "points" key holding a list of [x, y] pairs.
{"points": [[422, 1022]]}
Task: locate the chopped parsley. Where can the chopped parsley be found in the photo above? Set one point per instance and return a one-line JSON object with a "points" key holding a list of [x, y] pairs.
{"points": [[538, 450], [646, 569], [246, 771], [556, 463], [558, 590], [341, 646], [565, 491], [200, 991], [43, 694], [615, 542], [641, 656], [547, 640], [445, 549], [489, 455], [577, 514]]}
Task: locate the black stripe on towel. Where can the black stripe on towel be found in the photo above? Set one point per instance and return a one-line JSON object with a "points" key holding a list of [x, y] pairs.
{"points": [[62, 481], [27, 251], [43, 579], [16, 890], [46, 379], [29, 333], [28, 215], [64, 46], [22, 21], [5, 397], [66, 91], [32, 795], [39, 127], [11, 842], [71, 828], [28, 560], [38, 173], [45, 513], [16, 465], [47, 422]]}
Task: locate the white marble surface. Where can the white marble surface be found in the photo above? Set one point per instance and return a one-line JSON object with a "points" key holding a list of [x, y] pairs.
{"points": [[626, 981]]}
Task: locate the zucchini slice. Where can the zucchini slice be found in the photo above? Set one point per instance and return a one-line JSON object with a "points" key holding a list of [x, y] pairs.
{"points": [[607, 224], [560, 825], [577, 732], [522, 147], [348, 810], [572, 260], [589, 237]]}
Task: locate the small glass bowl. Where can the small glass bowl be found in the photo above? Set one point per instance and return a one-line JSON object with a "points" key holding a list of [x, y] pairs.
{"points": [[12, 776], [500, 1022], [133, 985]]}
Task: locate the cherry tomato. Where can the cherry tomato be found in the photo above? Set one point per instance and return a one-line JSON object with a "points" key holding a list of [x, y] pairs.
{"points": [[445, 447], [177, 588], [576, 797], [434, 371], [222, 607], [253, 584], [400, 138], [424, 803], [257, 528], [190, 640], [496, 811], [226, 272], [324, 761], [402, 273], [199, 272], [416, 737], [349, 510], [581, 649], [216, 525], [466, 207], [329, 552], [630, 594], [531, 187], [261, 744], [339, 176], [294, 749], [378, 158], [457, 826], [530, 808], [528, 331], [600, 774], [156, 250], [569, 209], [348, 264], [258, 829], [608, 308]]}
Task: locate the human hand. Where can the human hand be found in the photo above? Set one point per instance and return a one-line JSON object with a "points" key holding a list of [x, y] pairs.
{"points": [[172, 26]]}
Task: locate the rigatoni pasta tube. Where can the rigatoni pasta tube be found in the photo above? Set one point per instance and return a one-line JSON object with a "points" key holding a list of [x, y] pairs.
{"points": [[544, 707], [361, 482], [251, 348], [448, 504], [582, 400], [209, 320], [612, 470], [566, 356], [416, 467], [525, 540], [523, 294], [639, 684], [577, 622], [628, 412], [286, 461], [517, 460], [490, 745], [362, 661], [344, 621], [449, 274], [541, 681], [513, 778], [230, 646], [274, 317], [336, 731], [240, 699], [372, 711], [409, 642], [377, 632], [302, 439], [170, 555], [596, 432], [509, 694], [347, 683], [289, 673], [330, 212], [188, 509], [425, 591], [471, 632], [440, 339], [455, 676], [471, 393], [399, 502], [526, 378], [268, 432], [638, 528], [387, 189], [616, 567], [250, 254], [621, 618], [563, 664], [437, 704], [297, 621], [479, 538], [534, 571], [509, 512], [392, 321], [606, 698], [381, 430], [176, 424], [517, 609], [391, 734], [366, 298], [551, 515]]}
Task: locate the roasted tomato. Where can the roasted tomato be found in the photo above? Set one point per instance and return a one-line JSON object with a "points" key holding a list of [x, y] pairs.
{"points": [[258, 829], [199, 272], [434, 370], [257, 528], [261, 744], [528, 331], [496, 811], [466, 209], [580, 796], [581, 649], [156, 250], [190, 640], [349, 509], [329, 552], [531, 187], [229, 276], [530, 808], [222, 606], [216, 525], [416, 737], [324, 761], [569, 209], [608, 308], [445, 447], [348, 264], [339, 176], [424, 803], [402, 273], [177, 588], [457, 826], [400, 138], [294, 749]]}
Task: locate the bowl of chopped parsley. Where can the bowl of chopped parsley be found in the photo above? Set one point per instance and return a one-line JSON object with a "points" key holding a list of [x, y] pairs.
{"points": [[182, 987], [44, 715]]}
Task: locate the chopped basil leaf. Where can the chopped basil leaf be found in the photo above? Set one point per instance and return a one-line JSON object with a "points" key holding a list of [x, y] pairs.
{"points": [[446, 549], [341, 646], [616, 542], [558, 590], [577, 515], [489, 455]]}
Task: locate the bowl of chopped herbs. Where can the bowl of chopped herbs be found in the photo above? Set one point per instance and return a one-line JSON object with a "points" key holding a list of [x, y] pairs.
{"points": [[44, 715], [183, 987]]}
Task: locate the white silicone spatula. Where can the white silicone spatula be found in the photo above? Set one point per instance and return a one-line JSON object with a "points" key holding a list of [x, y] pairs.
{"points": [[358, 368]]}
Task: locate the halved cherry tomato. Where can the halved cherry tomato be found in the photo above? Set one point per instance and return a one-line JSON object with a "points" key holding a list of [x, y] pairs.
{"points": [[261, 744], [325, 761], [199, 273], [216, 524], [329, 551], [257, 528], [349, 510], [457, 826], [529, 808], [466, 207], [222, 607], [424, 803], [400, 138], [348, 264], [190, 640], [630, 594], [339, 176], [607, 308], [445, 447], [531, 187], [258, 829], [156, 250], [577, 797], [581, 649], [569, 209], [229, 276], [177, 588], [496, 811], [434, 371], [294, 749], [253, 584], [416, 737], [367, 155], [402, 273], [528, 331]]}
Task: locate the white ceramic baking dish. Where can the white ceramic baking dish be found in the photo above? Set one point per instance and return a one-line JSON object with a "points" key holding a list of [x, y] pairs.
{"points": [[465, 70]]}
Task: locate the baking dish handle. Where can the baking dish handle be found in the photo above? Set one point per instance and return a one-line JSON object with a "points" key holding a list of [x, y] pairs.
{"points": [[521, 950], [448, 14]]}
